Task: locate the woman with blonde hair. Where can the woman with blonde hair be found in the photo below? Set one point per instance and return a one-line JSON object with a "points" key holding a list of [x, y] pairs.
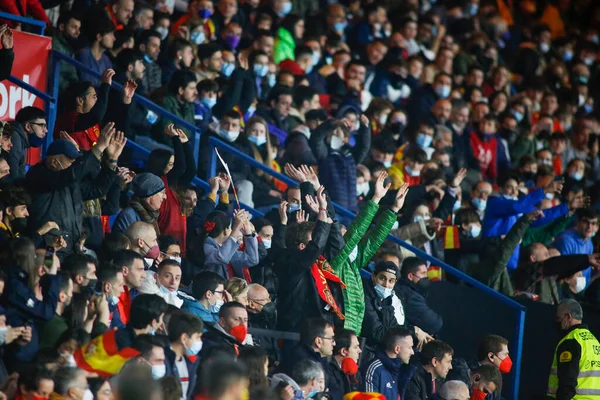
{"points": [[238, 289]]}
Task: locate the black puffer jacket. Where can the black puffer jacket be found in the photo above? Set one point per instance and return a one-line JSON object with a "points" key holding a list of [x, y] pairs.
{"points": [[418, 312], [341, 383]]}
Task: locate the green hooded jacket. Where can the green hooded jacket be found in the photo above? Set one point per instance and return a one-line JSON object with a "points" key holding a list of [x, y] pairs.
{"points": [[284, 46]]}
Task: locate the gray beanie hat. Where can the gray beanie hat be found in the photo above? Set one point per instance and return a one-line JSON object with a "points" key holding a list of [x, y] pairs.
{"points": [[147, 184]]}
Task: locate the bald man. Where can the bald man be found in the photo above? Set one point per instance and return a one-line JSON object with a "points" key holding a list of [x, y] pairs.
{"points": [[262, 314], [143, 239], [120, 11], [454, 390]]}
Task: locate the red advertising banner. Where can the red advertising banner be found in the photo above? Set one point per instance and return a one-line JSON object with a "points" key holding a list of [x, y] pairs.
{"points": [[32, 53]]}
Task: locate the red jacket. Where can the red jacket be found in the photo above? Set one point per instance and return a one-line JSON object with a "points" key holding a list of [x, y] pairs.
{"points": [[485, 152], [23, 8], [171, 220]]}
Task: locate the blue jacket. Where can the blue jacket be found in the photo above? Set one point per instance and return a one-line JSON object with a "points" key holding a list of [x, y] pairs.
{"points": [[125, 218], [381, 376], [502, 213], [196, 308], [192, 367], [571, 242]]}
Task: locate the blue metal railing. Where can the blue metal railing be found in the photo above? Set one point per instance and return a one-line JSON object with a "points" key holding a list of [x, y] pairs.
{"points": [[41, 25], [520, 320]]}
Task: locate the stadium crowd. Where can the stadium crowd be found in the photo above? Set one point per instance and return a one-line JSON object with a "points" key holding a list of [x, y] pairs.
{"points": [[469, 129]]}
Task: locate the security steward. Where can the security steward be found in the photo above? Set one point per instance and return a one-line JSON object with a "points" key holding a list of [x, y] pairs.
{"points": [[575, 372]]}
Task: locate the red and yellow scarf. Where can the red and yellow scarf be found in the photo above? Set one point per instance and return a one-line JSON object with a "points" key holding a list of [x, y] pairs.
{"points": [[322, 272]]}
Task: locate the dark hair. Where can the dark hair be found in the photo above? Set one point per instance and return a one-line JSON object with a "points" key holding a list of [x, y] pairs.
{"points": [[205, 281], [254, 54], [466, 216], [108, 273], [220, 374], [392, 336], [207, 85], [215, 223], [125, 258], [178, 44], [65, 280], [76, 264], [79, 335], [165, 241], [207, 50], [122, 36], [289, 23], [311, 329], [96, 384], [435, 349], [31, 375], [503, 179], [490, 344], [171, 388], [99, 25], [489, 373], [304, 93], [157, 161], [343, 340], [182, 322], [587, 212], [145, 343], [28, 114], [181, 79], [66, 16], [231, 114], [144, 37], [302, 50], [112, 243], [278, 91], [75, 314], [297, 234], [227, 307], [254, 358], [77, 90], [260, 223], [411, 265], [14, 196], [146, 308], [128, 57], [416, 154]]}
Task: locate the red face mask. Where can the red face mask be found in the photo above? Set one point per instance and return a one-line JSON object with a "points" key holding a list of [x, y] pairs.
{"points": [[505, 365], [349, 366], [239, 333], [477, 394]]}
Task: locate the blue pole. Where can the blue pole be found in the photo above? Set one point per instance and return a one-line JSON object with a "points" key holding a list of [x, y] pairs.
{"points": [[41, 25], [519, 337], [52, 107], [196, 147], [31, 89], [212, 161]]}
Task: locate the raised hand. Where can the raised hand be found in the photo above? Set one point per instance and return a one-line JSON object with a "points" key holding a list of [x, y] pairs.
{"points": [[13, 333], [381, 188], [400, 197], [312, 203], [434, 224], [106, 135], [459, 177], [554, 187], [116, 146], [108, 75], [579, 202], [129, 90], [182, 136], [283, 212], [310, 175], [65, 136], [170, 131], [321, 198], [214, 183], [224, 182], [364, 120], [125, 175], [7, 37], [535, 215], [294, 173], [301, 216]]}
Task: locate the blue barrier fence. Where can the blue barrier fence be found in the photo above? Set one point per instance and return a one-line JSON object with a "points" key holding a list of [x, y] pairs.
{"points": [[215, 143], [39, 25]]}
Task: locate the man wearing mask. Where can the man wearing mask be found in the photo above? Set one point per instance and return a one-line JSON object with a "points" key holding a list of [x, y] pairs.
{"points": [[382, 374], [83, 272], [53, 329], [165, 282], [423, 99], [209, 296], [112, 285], [412, 289], [64, 41], [459, 118], [149, 45], [229, 333], [479, 197], [436, 362], [71, 384], [310, 377], [152, 352], [573, 370], [29, 130], [343, 366], [181, 359], [143, 239], [262, 314], [132, 266], [485, 382]]}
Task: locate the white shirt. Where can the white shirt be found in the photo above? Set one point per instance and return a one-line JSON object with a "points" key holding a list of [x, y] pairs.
{"points": [[184, 376]]}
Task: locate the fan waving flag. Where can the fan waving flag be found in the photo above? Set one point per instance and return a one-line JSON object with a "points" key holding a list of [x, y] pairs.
{"points": [[103, 356]]}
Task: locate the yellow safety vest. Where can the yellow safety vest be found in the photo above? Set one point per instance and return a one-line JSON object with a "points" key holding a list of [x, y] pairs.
{"points": [[588, 379]]}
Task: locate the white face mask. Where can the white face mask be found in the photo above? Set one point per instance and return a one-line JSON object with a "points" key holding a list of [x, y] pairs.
{"points": [[230, 136], [580, 285], [3, 333], [69, 360], [267, 243], [336, 142], [421, 218], [178, 259], [383, 119], [362, 189], [158, 371], [88, 395]]}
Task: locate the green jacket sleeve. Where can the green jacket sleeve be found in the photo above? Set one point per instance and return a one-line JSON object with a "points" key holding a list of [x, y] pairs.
{"points": [[546, 234], [355, 232], [375, 238]]}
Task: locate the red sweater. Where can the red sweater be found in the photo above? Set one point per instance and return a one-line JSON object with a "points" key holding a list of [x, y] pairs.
{"points": [[171, 220], [85, 139], [485, 152], [25, 8]]}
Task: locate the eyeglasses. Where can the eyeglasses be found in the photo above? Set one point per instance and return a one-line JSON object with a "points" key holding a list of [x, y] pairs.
{"points": [[261, 301], [328, 338], [42, 125]]}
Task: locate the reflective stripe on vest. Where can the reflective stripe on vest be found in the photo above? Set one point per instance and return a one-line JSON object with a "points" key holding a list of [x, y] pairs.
{"points": [[588, 378]]}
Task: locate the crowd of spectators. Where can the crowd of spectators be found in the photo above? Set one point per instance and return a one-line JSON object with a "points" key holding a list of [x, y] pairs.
{"points": [[469, 129]]}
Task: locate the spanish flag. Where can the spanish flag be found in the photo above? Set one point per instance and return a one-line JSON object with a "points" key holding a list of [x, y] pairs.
{"points": [[434, 273], [102, 355], [364, 396], [451, 237]]}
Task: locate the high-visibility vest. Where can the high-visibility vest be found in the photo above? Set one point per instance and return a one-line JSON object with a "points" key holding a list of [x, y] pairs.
{"points": [[588, 379]]}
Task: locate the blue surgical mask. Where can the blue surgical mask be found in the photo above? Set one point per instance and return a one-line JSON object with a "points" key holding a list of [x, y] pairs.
{"points": [[316, 57], [162, 31], [420, 218], [158, 371], [194, 349], [424, 140], [309, 69], [568, 55], [261, 70], [383, 292], [294, 207], [148, 59], [509, 197], [257, 140], [208, 102], [151, 117], [475, 231], [457, 205], [198, 37], [214, 308], [286, 9], [443, 91], [227, 69], [479, 204], [518, 116], [576, 175], [412, 172], [271, 80], [473, 8], [230, 136], [114, 300], [164, 289], [267, 243], [35, 141], [340, 26], [387, 163]]}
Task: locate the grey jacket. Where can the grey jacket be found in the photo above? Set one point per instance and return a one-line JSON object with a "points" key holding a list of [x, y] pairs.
{"points": [[217, 257], [17, 156]]}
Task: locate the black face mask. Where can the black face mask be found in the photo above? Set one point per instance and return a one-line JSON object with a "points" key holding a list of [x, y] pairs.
{"points": [[269, 314], [18, 225], [90, 288], [528, 176], [423, 284]]}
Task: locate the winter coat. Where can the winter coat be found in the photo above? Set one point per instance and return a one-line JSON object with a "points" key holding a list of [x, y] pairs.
{"points": [[68, 72], [381, 376], [196, 308], [152, 76], [217, 257], [501, 214], [420, 387], [341, 383], [126, 217], [59, 195], [183, 110], [17, 156], [191, 362], [284, 46], [419, 105], [347, 264], [417, 311]]}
